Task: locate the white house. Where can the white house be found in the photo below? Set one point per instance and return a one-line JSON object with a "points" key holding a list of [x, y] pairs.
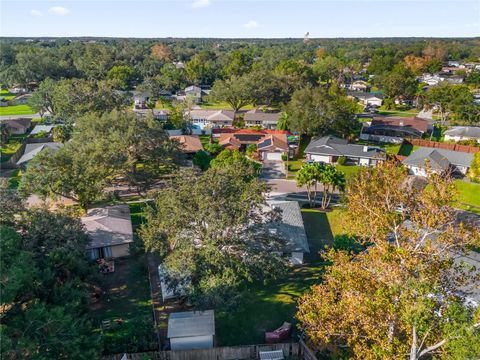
{"points": [[440, 161], [366, 98], [257, 117], [211, 118], [459, 133], [191, 330]]}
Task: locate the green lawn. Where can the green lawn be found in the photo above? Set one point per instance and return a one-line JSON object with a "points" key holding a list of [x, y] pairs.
{"points": [[397, 113], [350, 170], [11, 147], [468, 196], [222, 105], [16, 110], [7, 95], [267, 306]]}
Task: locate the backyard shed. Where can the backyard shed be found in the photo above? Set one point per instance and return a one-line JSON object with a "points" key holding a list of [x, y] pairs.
{"points": [[191, 330]]}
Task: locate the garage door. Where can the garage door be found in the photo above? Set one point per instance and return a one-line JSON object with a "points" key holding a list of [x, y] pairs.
{"points": [[276, 156]]}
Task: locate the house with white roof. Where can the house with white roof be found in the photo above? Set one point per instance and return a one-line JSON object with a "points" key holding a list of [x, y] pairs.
{"points": [[459, 133]]}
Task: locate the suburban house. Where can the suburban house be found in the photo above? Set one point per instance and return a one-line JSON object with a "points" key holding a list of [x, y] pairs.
{"points": [[189, 144], [31, 150], [20, 99], [195, 92], [459, 133], [42, 129], [393, 129], [211, 118], [360, 85], [110, 231], [440, 161], [191, 330], [271, 145], [366, 98], [18, 126], [290, 229], [257, 117], [329, 149], [140, 100]]}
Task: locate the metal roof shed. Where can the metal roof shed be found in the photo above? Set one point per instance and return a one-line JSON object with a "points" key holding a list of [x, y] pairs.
{"points": [[191, 330]]}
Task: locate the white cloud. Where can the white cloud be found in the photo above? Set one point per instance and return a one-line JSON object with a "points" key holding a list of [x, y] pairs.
{"points": [[252, 24], [34, 12], [58, 10], [201, 3]]}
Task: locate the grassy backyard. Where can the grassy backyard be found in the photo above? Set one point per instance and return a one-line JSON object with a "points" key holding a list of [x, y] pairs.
{"points": [[126, 298], [267, 306], [468, 196], [16, 110], [222, 105], [11, 146]]}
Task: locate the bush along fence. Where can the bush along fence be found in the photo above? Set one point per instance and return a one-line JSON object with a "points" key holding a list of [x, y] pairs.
{"points": [[297, 350]]}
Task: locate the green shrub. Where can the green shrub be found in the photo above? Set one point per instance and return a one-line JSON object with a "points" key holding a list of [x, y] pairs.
{"points": [[341, 160], [284, 157]]}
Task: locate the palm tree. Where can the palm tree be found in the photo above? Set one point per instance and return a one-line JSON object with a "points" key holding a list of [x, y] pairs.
{"points": [[306, 176], [331, 178]]}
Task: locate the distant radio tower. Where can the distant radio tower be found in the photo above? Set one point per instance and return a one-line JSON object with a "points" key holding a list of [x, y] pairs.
{"points": [[305, 37]]}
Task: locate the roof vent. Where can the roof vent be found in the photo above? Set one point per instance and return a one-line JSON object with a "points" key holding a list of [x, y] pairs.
{"points": [[365, 148], [401, 123], [272, 231]]}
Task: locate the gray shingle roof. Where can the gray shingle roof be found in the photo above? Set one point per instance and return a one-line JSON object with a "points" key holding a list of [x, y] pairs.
{"points": [[438, 157], [107, 226], [191, 323], [331, 145], [466, 131], [290, 228], [33, 149]]}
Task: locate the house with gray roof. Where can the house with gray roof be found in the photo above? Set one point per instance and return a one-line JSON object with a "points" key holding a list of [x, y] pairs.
{"points": [[289, 228], [110, 231], [367, 98], [31, 150], [329, 149], [211, 118], [191, 330], [440, 161], [17, 125], [258, 117], [459, 133]]}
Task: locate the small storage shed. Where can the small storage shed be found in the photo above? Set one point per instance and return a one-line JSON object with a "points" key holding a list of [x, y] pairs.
{"points": [[191, 330]]}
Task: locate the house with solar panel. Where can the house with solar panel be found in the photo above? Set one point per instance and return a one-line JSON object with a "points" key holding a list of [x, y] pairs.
{"points": [[271, 146]]}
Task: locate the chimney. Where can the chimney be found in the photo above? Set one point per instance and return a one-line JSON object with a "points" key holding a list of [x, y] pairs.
{"points": [[365, 148]]}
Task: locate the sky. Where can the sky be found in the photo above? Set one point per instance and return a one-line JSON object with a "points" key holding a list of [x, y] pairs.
{"points": [[240, 19]]}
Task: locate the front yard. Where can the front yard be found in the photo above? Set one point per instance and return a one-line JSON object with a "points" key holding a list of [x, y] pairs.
{"points": [[16, 110], [266, 306]]}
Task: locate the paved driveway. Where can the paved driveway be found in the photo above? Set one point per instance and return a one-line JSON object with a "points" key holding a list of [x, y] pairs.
{"points": [[273, 170]]}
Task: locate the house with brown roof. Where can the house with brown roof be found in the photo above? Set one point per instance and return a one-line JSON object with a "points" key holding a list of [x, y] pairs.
{"points": [[258, 117], [189, 144], [394, 129], [271, 145]]}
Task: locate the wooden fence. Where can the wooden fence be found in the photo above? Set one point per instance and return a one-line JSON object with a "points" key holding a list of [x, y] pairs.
{"points": [[247, 352], [445, 146]]}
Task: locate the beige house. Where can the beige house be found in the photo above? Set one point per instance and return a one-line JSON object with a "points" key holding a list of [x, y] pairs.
{"points": [[110, 230], [18, 126]]}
